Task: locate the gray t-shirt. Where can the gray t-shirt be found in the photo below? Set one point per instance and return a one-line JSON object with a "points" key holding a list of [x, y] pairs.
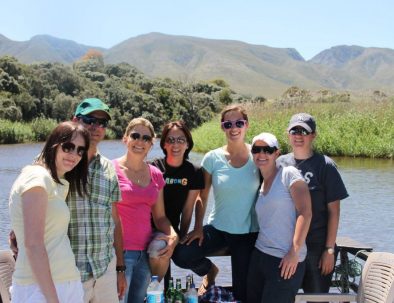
{"points": [[277, 215]]}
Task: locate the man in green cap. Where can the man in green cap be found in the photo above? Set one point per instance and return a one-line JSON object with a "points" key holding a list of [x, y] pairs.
{"points": [[95, 227]]}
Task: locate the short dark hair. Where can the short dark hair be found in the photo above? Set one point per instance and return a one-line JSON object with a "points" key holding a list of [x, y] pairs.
{"points": [[182, 126], [62, 133]]}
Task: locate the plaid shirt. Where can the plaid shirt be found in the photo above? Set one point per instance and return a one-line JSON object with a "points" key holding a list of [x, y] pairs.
{"points": [[217, 294], [91, 229]]}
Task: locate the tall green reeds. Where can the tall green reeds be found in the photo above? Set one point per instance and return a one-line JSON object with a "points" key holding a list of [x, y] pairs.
{"points": [[17, 132], [343, 129]]}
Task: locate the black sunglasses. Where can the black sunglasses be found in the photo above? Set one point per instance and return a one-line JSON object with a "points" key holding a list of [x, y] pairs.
{"points": [[229, 124], [265, 149], [89, 120], [299, 131], [173, 140], [138, 136], [69, 147]]}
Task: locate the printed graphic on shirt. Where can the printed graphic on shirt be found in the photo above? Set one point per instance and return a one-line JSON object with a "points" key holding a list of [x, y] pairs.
{"points": [[182, 181]]}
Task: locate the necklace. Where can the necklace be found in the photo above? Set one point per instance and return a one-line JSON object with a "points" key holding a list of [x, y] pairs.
{"points": [[297, 163], [135, 175]]}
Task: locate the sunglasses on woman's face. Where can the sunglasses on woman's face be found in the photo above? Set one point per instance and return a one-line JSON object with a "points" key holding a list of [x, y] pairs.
{"points": [[229, 124], [138, 136], [69, 148], [89, 120], [173, 140], [299, 131], [263, 149]]}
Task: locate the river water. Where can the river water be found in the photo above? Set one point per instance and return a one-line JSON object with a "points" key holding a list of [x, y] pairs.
{"points": [[366, 216]]}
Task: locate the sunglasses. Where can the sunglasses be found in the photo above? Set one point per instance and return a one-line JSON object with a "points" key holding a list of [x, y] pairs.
{"points": [[173, 140], [138, 136], [264, 149], [299, 131], [69, 148], [89, 120], [229, 124]]}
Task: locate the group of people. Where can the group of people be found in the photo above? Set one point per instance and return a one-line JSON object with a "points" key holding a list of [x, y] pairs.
{"points": [[88, 229]]}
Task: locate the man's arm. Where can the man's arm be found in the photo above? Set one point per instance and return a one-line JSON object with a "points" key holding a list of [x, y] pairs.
{"points": [[118, 245]]}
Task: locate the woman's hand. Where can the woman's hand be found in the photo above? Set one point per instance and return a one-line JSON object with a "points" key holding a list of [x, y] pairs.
{"points": [[197, 233], [167, 251], [289, 265]]}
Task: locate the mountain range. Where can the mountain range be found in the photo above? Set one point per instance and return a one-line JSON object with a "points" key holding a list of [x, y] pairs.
{"points": [[249, 69]]}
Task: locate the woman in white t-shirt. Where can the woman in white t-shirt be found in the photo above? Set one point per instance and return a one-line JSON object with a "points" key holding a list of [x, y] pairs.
{"points": [[45, 269], [284, 214]]}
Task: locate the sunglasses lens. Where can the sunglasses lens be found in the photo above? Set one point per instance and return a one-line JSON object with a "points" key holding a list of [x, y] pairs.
{"points": [[265, 149], [135, 136], [240, 123], [138, 136], [68, 147], [81, 151], [227, 124], [170, 140], [299, 131], [103, 123], [146, 138]]}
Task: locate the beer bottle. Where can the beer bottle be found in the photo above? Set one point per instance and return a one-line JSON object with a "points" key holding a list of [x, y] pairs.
{"points": [[170, 291], [178, 297]]}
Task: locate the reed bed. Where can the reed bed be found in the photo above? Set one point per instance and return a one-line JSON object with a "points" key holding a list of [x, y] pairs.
{"points": [[354, 129]]}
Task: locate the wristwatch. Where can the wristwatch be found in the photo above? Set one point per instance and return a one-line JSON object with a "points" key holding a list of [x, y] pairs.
{"points": [[330, 250], [120, 268]]}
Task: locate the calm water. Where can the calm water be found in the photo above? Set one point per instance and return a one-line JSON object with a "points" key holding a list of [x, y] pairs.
{"points": [[366, 216]]}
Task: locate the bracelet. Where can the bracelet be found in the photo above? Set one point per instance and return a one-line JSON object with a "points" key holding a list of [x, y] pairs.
{"points": [[121, 268]]}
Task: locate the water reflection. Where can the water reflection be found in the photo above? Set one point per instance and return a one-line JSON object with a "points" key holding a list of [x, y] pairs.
{"points": [[366, 215]]}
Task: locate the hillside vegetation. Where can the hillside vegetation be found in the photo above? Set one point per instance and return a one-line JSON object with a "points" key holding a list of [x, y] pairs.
{"points": [[32, 96]]}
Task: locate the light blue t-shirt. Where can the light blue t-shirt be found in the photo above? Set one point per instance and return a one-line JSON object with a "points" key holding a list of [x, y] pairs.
{"points": [[277, 215], [235, 192]]}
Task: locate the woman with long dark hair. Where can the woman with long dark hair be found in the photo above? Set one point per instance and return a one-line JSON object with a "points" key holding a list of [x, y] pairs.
{"points": [[45, 269]]}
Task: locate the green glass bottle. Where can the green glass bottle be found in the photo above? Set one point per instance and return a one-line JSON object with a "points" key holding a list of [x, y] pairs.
{"points": [[170, 291], [178, 297]]}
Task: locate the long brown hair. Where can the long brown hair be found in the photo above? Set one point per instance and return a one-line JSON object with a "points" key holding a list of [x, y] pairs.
{"points": [[65, 132]]}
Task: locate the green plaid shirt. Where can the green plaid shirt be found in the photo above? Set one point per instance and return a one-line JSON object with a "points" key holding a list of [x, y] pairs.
{"points": [[91, 229]]}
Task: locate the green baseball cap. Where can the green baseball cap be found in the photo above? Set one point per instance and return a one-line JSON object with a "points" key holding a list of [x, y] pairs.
{"points": [[90, 105]]}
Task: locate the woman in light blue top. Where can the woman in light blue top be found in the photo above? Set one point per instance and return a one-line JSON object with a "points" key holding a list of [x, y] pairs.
{"points": [[235, 181], [284, 214]]}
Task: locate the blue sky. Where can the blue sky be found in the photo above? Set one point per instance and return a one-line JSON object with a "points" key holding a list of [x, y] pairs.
{"points": [[308, 26]]}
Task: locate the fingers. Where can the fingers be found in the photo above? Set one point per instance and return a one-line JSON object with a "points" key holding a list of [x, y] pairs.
{"points": [[288, 271]]}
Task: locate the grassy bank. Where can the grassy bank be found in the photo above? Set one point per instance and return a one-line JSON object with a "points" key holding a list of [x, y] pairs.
{"points": [[35, 131], [344, 129]]}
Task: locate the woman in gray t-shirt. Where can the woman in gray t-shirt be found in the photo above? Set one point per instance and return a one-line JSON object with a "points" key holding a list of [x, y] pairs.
{"points": [[284, 213]]}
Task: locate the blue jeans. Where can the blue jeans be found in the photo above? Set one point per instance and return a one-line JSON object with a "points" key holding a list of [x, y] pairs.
{"points": [[193, 256], [265, 283], [137, 275]]}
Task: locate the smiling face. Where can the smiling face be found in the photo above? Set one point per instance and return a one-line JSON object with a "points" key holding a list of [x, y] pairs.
{"points": [[301, 140], [175, 144], [235, 133], [67, 158], [139, 144], [96, 132], [265, 160]]}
